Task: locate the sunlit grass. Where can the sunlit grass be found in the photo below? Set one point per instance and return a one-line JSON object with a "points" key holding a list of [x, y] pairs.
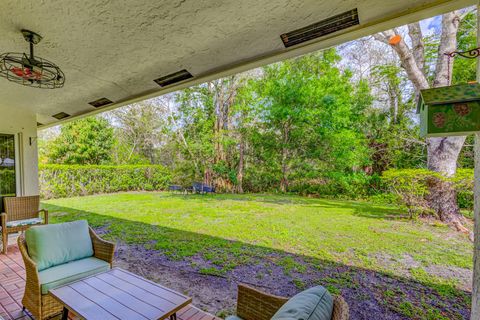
{"points": [[341, 231]]}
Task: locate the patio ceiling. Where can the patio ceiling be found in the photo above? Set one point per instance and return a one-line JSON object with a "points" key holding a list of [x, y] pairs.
{"points": [[115, 49]]}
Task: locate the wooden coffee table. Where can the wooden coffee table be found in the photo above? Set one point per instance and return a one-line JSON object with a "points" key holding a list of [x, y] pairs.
{"points": [[119, 294]]}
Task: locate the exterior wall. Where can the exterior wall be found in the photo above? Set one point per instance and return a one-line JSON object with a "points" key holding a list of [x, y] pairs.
{"points": [[23, 125]]}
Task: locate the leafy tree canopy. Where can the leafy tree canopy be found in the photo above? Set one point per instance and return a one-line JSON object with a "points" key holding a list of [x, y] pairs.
{"points": [[85, 141]]}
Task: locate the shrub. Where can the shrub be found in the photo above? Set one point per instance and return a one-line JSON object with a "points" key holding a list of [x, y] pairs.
{"points": [[337, 184], [463, 182], [7, 182], [411, 187], [76, 180]]}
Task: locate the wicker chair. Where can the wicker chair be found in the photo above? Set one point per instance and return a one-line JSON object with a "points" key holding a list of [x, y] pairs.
{"points": [[257, 305], [43, 306], [24, 211]]}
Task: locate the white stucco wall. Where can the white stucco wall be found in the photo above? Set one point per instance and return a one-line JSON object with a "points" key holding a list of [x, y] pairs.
{"points": [[26, 163]]}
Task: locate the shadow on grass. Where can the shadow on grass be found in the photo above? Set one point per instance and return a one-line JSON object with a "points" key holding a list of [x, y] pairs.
{"points": [[208, 268]]}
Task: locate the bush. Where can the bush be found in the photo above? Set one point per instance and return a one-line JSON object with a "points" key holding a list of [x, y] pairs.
{"points": [[58, 181], [337, 184], [411, 187], [7, 182], [464, 182]]}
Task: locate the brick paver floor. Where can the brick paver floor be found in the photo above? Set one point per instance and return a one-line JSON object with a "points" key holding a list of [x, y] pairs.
{"points": [[12, 286]]}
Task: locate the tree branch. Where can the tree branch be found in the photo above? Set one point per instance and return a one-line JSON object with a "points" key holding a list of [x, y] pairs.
{"points": [[415, 74], [418, 48], [448, 43]]}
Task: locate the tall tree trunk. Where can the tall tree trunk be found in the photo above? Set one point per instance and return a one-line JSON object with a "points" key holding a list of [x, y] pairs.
{"points": [[284, 181], [442, 157], [443, 152], [284, 155], [240, 169], [224, 93]]}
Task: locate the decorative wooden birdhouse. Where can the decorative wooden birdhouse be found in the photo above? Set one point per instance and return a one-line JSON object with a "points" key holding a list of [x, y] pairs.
{"points": [[449, 111]]}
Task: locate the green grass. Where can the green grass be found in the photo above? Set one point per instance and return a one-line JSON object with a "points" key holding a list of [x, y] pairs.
{"points": [[339, 231], [295, 233]]}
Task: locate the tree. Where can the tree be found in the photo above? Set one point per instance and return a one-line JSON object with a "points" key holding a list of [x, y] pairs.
{"points": [[390, 125], [86, 141], [393, 135], [140, 129], [442, 153], [312, 116]]}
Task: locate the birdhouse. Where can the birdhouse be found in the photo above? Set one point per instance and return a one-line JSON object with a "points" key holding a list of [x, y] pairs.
{"points": [[449, 111]]}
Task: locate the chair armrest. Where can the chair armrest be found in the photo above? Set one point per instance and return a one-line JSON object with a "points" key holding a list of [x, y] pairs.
{"points": [[257, 305], [45, 215], [253, 304], [32, 287], [341, 310], [103, 250], [3, 219]]}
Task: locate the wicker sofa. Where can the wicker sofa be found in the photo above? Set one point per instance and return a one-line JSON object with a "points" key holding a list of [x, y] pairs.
{"points": [[253, 304], [36, 298], [20, 214]]}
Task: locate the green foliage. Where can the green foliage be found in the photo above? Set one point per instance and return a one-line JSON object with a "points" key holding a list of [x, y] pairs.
{"points": [[139, 128], [464, 70], [312, 112], [463, 182], [58, 181], [410, 187], [393, 136], [85, 141], [7, 182], [337, 185], [295, 119]]}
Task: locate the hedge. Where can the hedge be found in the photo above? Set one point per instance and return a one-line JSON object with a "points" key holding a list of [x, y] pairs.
{"points": [[338, 185], [58, 181], [7, 181]]}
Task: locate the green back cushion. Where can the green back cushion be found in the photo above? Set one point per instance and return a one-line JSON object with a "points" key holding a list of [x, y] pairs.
{"points": [[313, 304], [55, 244]]}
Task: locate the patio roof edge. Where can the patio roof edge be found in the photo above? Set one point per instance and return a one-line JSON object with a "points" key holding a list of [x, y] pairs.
{"points": [[362, 30]]}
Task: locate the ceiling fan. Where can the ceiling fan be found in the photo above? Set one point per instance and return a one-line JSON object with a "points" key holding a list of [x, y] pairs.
{"points": [[29, 70]]}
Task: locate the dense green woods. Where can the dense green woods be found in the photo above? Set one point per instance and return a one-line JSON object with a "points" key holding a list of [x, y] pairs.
{"points": [[327, 123], [287, 124]]}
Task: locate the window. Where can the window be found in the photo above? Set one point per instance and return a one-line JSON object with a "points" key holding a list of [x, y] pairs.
{"points": [[7, 167]]}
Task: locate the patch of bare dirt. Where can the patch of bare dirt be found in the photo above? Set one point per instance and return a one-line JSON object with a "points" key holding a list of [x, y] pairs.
{"points": [[364, 290]]}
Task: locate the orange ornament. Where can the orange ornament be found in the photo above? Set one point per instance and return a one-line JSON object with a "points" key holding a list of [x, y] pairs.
{"points": [[394, 40]]}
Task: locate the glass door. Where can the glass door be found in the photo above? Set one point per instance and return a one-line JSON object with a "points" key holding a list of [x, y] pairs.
{"points": [[8, 185]]}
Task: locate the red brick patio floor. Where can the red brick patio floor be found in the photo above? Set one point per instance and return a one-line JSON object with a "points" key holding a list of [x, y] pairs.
{"points": [[12, 286]]}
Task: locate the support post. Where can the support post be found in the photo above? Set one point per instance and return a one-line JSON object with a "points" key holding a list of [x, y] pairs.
{"points": [[476, 231]]}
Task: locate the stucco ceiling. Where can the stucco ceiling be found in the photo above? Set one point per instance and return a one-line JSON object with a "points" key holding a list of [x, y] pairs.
{"points": [[116, 48]]}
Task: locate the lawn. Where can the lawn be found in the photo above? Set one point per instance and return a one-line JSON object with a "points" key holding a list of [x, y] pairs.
{"points": [[382, 263]]}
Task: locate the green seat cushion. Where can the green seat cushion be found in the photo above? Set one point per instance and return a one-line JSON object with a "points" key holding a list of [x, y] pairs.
{"points": [[313, 304], [25, 222], [55, 244], [63, 274], [233, 318]]}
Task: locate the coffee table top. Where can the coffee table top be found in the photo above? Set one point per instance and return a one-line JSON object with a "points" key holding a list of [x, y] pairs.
{"points": [[119, 294]]}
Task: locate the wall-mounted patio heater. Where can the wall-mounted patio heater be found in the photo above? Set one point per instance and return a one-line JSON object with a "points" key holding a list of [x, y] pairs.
{"points": [[450, 111]]}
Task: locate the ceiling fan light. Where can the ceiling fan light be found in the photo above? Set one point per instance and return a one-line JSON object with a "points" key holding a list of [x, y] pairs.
{"points": [[30, 70]]}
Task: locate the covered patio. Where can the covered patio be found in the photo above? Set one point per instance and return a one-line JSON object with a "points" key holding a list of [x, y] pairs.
{"points": [[113, 55], [12, 286]]}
